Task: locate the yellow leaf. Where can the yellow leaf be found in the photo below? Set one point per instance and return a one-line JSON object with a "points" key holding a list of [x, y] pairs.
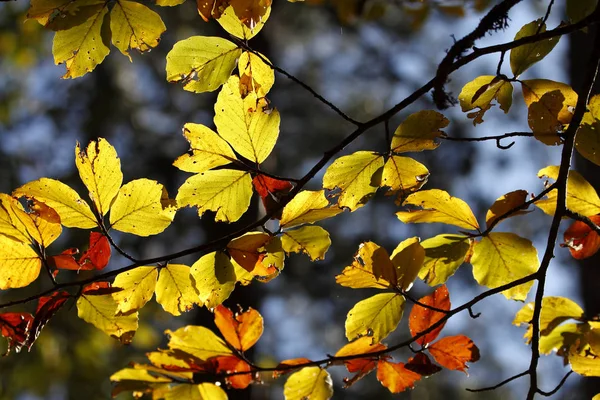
{"points": [[311, 240], [587, 141], [581, 196], [133, 374], [203, 391], [169, 3], [559, 338], [100, 170], [142, 207], [46, 223], [586, 366], [232, 24], [14, 221], [310, 383], [408, 259], [255, 75], [101, 310], [198, 341], [523, 57], [175, 289], [215, 278], [534, 89], [358, 176], [501, 258], [250, 130], [247, 250], [275, 256], [307, 207], [504, 204], [19, 264], [73, 211], [138, 287], [419, 131], [438, 206], [134, 26], [543, 118], [481, 92], [201, 63], [443, 255], [555, 311], [403, 175], [209, 150], [370, 268], [376, 316], [62, 14], [84, 46], [226, 192]]}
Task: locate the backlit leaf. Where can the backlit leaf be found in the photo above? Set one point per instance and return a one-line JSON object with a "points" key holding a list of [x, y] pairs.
{"points": [[82, 47], [543, 117], [504, 204], [62, 14], [364, 365], [198, 341], [555, 311], [202, 63], [310, 383], [14, 219], [135, 26], [97, 255], [454, 352], [419, 131], [311, 240], [208, 149], [581, 196], [175, 289], [408, 259], [534, 89], [501, 258], [234, 26], [215, 278], [375, 316], [101, 311], [557, 338], [235, 366], [46, 222], [73, 211], [403, 175], [438, 206], [138, 287], [369, 269], [357, 176], [307, 207], [587, 141], [581, 240], [255, 75], [586, 366], [250, 130], [241, 330], [395, 377], [246, 249], [47, 307], [281, 367], [481, 92], [443, 255], [15, 328], [226, 192], [523, 57], [421, 318], [19, 264]]}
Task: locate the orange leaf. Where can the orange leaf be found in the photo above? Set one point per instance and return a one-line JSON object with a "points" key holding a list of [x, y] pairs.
{"points": [[230, 364], [454, 352], [581, 240], [99, 289], [422, 318], [396, 377], [65, 260], [281, 367], [98, 254], [15, 328], [422, 365], [364, 365], [241, 330]]}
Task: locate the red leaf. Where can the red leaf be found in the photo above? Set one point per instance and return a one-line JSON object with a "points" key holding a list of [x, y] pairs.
{"points": [[271, 190], [65, 260], [230, 364], [396, 377], [99, 289], [422, 318], [581, 240], [454, 352], [422, 365], [241, 330], [47, 307], [98, 254], [15, 328]]}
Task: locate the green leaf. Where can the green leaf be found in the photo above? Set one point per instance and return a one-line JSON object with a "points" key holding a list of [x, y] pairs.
{"points": [[208, 149], [357, 176], [443, 255], [438, 206], [403, 175], [523, 57], [376, 316], [581, 196], [587, 141], [311, 240], [501, 258], [310, 383], [202, 63], [215, 278], [480, 92], [419, 131]]}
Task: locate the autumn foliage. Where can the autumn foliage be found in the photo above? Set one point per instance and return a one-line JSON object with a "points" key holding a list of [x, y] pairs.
{"points": [[225, 168]]}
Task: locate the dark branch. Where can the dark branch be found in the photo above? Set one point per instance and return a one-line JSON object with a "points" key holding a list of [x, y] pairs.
{"points": [[504, 382], [584, 219], [557, 388]]}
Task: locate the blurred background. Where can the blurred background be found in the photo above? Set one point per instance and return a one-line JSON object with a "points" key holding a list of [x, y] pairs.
{"points": [[364, 56]]}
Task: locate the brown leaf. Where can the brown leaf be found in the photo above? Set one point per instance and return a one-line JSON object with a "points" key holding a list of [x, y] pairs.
{"points": [[422, 365]]}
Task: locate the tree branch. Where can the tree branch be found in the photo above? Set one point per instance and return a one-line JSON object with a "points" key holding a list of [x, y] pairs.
{"points": [[504, 382]]}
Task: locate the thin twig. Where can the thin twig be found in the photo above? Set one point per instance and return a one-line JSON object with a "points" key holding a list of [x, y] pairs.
{"points": [[557, 388], [497, 138], [421, 304], [504, 382], [584, 219]]}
